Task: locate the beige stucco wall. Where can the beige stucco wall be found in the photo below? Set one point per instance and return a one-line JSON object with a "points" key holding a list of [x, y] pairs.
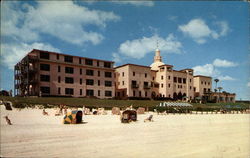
{"points": [[201, 83]]}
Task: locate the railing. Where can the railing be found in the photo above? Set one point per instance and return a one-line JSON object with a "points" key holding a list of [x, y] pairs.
{"points": [[146, 86], [135, 86]]}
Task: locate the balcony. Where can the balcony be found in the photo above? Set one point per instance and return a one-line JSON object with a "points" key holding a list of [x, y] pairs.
{"points": [[135, 86], [146, 86]]}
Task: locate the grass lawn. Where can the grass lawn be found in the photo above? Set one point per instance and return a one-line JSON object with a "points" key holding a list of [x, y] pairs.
{"points": [[107, 103]]}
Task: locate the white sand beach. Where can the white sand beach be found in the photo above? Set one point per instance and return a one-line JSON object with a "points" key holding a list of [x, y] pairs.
{"points": [[189, 136]]}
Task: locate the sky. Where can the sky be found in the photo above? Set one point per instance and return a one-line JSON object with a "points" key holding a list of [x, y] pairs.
{"points": [[210, 37]]}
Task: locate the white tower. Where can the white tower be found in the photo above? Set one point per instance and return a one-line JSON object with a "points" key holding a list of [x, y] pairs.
{"points": [[157, 59]]}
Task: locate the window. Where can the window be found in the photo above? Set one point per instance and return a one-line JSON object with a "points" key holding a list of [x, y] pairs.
{"points": [[59, 90], [107, 64], [122, 82], [184, 80], [98, 63], [59, 68], [99, 74], [153, 78], [45, 78], [134, 93], [204, 90], [169, 85], [205, 83], [208, 83], [80, 71], [80, 81], [80, 91], [108, 93], [190, 87], [69, 91], [146, 75], [175, 79], [45, 90], [161, 77], [201, 82], [80, 61], [57, 56], [123, 74], [169, 77], [45, 67], [162, 85], [69, 70], [68, 59], [44, 55], [139, 93], [146, 94], [108, 74], [89, 82], [179, 80], [99, 92], [108, 83], [69, 80], [99, 83], [59, 79], [90, 72], [190, 80], [90, 92], [88, 62], [208, 89], [133, 73]]}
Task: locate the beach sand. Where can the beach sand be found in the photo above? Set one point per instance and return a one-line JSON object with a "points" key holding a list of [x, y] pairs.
{"points": [[194, 136]]}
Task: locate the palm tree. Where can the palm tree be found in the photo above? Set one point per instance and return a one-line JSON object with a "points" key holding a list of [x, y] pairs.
{"points": [[220, 88], [216, 80]]}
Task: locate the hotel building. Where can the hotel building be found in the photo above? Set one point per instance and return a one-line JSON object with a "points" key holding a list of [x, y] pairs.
{"points": [[43, 73]]}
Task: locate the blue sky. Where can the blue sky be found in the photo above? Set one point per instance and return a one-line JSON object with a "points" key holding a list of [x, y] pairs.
{"points": [[210, 37]]}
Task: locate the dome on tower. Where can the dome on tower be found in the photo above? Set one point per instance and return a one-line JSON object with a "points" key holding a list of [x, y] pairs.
{"points": [[157, 60], [155, 65]]}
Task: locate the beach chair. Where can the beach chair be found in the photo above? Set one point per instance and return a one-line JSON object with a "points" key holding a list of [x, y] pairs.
{"points": [[150, 118]]}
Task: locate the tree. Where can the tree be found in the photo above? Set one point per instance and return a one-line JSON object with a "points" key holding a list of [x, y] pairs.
{"points": [[220, 88], [216, 80]]}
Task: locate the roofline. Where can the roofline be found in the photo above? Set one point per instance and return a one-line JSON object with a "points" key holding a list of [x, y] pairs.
{"points": [[166, 65], [70, 55], [202, 76], [128, 64]]}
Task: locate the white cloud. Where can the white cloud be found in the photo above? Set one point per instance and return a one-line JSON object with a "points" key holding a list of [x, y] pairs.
{"points": [[206, 70], [13, 53], [211, 69], [116, 58], [136, 3], [199, 31], [248, 84], [66, 21], [226, 78], [224, 63], [138, 48]]}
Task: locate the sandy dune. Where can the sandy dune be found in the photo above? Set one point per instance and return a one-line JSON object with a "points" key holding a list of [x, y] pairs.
{"points": [[194, 136]]}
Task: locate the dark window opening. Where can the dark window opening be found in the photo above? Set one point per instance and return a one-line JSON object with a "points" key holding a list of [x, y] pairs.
{"points": [[69, 70], [45, 78], [90, 92], [108, 74], [89, 82], [69, 91], [175, 79], [90, 72], [108, 83], [69, 80], [108, 93], [44, 55], [45, 90], [107, 64], [45, 67], [68, 59], [88, 62]]}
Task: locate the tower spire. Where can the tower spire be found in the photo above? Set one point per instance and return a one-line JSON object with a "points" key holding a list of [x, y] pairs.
{"points": [[157, 53]]}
